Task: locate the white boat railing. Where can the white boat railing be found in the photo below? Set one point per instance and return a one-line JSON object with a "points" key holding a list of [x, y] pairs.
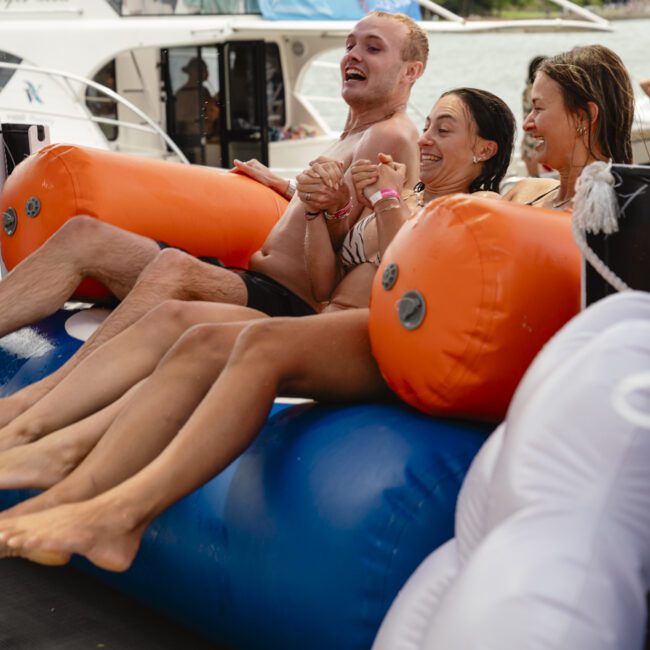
{"points": [[149, 125], [442, 12]]}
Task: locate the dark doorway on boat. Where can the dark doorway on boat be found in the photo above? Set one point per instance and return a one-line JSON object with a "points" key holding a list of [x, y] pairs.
{"points": [[102, 106], [223, 101]]}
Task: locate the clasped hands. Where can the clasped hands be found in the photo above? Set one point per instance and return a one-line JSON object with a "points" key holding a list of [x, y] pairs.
{"points": [[322, 187]]}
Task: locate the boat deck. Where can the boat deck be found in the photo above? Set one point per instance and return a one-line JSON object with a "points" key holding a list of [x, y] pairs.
{"points": [[43, 608]]}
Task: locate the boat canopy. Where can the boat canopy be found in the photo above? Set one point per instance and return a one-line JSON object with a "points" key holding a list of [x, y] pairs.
{"points": [[334, 9], [270, 9]]}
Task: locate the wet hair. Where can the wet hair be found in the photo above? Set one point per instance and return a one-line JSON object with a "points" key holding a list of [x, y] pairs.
{"points": [[596, 74], [416, 45], [494, 121], [533, 65]]}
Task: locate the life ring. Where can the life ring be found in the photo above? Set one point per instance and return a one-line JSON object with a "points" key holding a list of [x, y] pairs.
{"points": [[207, 212], [466, 295]]}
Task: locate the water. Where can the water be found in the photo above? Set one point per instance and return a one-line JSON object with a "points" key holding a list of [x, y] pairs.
{"points": [[495, 62]]}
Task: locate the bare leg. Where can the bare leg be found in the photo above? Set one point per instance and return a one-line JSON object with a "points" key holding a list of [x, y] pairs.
{"points": [[304, 356], [172, 275], [153, 416], [114, 367], [40, 284], [45, 462]]}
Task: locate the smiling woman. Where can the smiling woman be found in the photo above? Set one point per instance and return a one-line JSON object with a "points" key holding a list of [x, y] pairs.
{"points": [[467, 142], [583, 109]]}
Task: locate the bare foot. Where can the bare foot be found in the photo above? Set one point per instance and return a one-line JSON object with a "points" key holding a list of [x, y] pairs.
{"points": [[96, 529], [42, 501], [11, 407], [18, 432], [43, 463]]}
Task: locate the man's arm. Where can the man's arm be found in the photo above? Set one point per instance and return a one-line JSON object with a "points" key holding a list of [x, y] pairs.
{"points": [[397, 138]]}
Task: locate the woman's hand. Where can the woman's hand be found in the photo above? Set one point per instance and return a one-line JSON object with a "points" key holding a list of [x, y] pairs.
{"points": [[262, 174], [364, 173], [255, 170], [390, 176]]}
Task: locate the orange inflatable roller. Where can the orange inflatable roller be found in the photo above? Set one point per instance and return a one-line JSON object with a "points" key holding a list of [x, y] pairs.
{"points": [[204, 211], [466, 295]]}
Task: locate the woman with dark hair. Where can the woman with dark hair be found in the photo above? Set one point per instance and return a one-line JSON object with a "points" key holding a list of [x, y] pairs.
{"points": [[583, 108], [466, 145]]}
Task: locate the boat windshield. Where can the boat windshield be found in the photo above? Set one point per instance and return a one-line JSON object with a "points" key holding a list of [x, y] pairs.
{"points": [[168, 7], [6, 73]]}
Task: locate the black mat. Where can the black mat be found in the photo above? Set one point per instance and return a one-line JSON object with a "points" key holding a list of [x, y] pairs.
{"points": [[44, 608]]}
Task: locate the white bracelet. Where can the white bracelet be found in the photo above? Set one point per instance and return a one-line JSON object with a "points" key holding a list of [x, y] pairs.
{"points": [[291, 189], [383, 194]]}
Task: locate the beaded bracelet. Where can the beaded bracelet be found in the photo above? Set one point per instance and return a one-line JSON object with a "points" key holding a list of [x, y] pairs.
{"points": [[392, 203], [339, 214]]}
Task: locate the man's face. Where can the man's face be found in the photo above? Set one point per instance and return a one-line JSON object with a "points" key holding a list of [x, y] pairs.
{"points": [[372, 67]]}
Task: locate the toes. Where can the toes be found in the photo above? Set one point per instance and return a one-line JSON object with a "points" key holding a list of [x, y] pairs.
{"points": [[10, 543], [37, 549], [45, 556]]}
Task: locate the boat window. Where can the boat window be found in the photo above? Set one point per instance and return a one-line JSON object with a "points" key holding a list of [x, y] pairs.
{"points": [[203, 7], [275, 91], [102, 106], [7, 73], [193, 105]]}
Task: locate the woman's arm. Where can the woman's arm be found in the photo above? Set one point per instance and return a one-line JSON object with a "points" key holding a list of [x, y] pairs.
{"points": [[262, 174], [319, 187], [390, 211]]}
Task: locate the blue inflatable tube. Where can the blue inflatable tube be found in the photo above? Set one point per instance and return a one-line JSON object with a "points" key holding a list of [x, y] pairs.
{"points": [[305, 540]]}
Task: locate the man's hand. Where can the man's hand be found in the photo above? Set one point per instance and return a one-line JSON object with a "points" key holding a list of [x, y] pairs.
{"points": [[322, 187]]}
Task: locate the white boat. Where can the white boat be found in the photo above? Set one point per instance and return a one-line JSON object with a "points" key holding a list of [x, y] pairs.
{"points": [[108, 73]]}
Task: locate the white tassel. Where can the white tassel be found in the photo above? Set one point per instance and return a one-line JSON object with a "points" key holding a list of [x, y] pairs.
{"points": [[595, 204], [596, 210]]}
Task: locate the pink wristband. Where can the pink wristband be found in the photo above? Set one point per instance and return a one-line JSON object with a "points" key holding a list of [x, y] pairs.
{"points": [[383, 194]]}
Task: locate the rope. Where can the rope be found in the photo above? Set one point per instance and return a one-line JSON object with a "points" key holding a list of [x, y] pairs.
{"points": [[596, 211]]}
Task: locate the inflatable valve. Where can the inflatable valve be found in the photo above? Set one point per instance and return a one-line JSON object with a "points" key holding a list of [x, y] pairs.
{"points": [[467, 294]]}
